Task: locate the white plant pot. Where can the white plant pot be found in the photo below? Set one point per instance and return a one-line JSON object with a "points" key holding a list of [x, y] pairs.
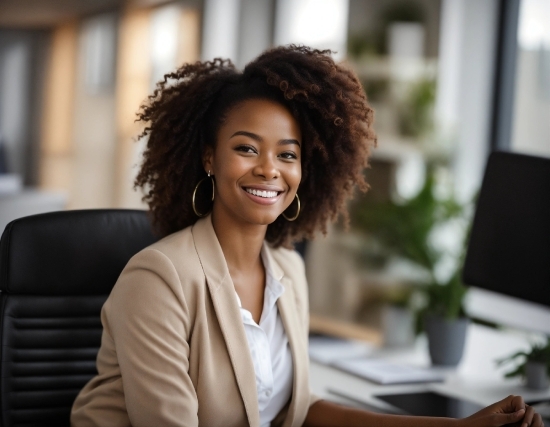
{"points": [[398, 326], [536, 374]]}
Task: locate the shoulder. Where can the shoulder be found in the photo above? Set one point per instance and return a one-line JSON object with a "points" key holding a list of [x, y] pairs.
{"points": [[176, 250], [163, 277], [175, 244], [172, 260]]}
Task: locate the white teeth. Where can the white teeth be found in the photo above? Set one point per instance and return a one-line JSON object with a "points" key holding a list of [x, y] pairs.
{"points": [[266, 194]]}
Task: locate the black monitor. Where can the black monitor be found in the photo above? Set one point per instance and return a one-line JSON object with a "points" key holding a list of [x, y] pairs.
{"points": [[509, 245]]}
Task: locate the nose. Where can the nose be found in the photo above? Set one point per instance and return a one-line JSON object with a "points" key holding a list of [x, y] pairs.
{"points": [[266, 167]]}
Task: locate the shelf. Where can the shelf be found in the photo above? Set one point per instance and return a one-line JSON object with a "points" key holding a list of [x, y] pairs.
{"points": [[338, 328], [382, 68]]}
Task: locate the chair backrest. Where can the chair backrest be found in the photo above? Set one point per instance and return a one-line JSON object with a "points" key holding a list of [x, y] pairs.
{"points": [[56, 270]]}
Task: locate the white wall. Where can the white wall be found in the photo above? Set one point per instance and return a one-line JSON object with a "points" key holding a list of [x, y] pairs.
{"points": [[322, 24], [465, 86], [255, 29], [220, 31]]}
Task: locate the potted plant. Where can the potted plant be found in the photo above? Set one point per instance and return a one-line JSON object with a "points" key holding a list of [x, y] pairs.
{"points": [[398, 322], [445, 321], [534, 365], [405, 229]]}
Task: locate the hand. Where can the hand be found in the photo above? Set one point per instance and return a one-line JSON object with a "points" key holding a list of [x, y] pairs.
{"points": [[512, 411]]}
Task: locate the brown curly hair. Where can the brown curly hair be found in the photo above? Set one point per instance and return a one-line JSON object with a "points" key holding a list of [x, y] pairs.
{"points": [[187, 108]]}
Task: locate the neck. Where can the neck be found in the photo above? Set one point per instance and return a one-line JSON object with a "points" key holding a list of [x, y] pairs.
{"points": [[241, 243]]}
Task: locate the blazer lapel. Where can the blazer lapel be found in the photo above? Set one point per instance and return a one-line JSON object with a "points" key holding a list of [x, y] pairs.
{"points": [[222, 293], [289, 315]]}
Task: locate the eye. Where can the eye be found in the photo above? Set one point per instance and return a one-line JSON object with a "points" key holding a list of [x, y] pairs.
{"points": [[245, 149], [288, 155]]}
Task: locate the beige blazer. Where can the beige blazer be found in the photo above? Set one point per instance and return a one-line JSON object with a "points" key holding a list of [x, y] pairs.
{"points": [[174, 350]]}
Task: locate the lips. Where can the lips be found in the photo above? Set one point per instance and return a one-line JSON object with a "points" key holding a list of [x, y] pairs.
{"points": [[263, 195]]}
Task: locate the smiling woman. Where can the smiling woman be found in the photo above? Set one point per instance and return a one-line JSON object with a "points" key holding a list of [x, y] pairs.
{"points": [[209, 326], [332, 123]]}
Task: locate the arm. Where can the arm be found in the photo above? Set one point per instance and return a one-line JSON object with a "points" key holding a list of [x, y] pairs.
{"points": [[328, 414], [511, 410]]}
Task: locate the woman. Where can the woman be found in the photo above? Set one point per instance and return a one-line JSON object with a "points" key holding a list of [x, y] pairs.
{"points": [[209, 325]]}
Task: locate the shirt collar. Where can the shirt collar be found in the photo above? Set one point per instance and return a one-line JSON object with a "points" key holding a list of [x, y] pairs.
{"points": [[273, 287], [269, 260], [272, 282]]}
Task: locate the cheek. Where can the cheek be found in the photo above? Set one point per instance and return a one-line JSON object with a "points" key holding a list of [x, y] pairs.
{"points": [[230, 168], [294, 176]]}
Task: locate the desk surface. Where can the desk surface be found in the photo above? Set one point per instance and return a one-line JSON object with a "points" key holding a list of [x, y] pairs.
{"points": [[477, 378]]}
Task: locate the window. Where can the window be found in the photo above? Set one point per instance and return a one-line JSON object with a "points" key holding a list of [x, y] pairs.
{"points": [[522, 99]]}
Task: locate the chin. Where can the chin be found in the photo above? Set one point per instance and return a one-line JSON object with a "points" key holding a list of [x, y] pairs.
{"points": [[264, 218]]}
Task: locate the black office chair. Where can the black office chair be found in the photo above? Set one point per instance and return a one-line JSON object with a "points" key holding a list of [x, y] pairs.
{"points": [[56, 270]]}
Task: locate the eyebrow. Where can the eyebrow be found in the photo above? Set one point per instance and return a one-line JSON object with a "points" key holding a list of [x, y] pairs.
{"points": [[258, 138]]}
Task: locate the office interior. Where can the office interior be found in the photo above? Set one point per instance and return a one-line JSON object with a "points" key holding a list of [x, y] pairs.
{"points": [[451, 81]]}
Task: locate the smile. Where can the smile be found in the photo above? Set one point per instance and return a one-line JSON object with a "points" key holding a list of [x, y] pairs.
{"points": [[262, 196], [260, 193]]}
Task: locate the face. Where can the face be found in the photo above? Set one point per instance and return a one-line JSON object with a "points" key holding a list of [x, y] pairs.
{"points": [[256, 162]]}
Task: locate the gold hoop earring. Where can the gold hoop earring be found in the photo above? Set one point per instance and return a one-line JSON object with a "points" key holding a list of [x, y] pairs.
{"points": [[297, 212], [195, 192]]}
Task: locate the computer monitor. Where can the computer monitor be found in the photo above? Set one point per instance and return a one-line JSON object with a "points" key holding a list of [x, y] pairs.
{"points": [[509, 245]]}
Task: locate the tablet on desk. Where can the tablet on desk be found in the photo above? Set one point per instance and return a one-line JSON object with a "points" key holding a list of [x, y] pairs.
{"points": [[431, 404], [434, 404], [428, 404]]}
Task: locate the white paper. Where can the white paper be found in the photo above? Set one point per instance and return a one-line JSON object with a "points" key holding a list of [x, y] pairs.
{"points": [[382, 372], [325, 349]]}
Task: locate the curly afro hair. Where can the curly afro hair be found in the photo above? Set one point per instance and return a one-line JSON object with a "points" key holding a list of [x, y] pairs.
{"points": [[187, 108]]}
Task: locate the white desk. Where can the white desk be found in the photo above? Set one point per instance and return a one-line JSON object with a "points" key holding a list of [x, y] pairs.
{"points": [[476, 378]]}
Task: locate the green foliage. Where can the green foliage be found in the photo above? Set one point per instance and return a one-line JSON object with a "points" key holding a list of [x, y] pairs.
{"points": [[415, 113], [363, 45], [400, 297], [537, 353], [374, 41], [404, 229], [444, 300], [376, 89], [403, 11], [397, 296]]}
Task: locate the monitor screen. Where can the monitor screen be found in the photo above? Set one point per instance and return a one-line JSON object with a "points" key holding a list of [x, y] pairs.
{"points": [[509, 245]]}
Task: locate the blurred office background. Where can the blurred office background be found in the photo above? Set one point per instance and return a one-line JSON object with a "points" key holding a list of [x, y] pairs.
{"points": [[450, 81]]}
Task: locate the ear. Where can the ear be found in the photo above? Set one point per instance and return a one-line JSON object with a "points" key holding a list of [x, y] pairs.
{"points": [[208, 160]]}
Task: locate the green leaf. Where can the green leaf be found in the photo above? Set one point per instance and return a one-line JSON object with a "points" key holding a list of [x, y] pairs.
{"points": [[403, 229], [510, 358], [539, 352]]}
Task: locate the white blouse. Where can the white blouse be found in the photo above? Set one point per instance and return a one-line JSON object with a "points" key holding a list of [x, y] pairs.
{"points": [[270, 351]]}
